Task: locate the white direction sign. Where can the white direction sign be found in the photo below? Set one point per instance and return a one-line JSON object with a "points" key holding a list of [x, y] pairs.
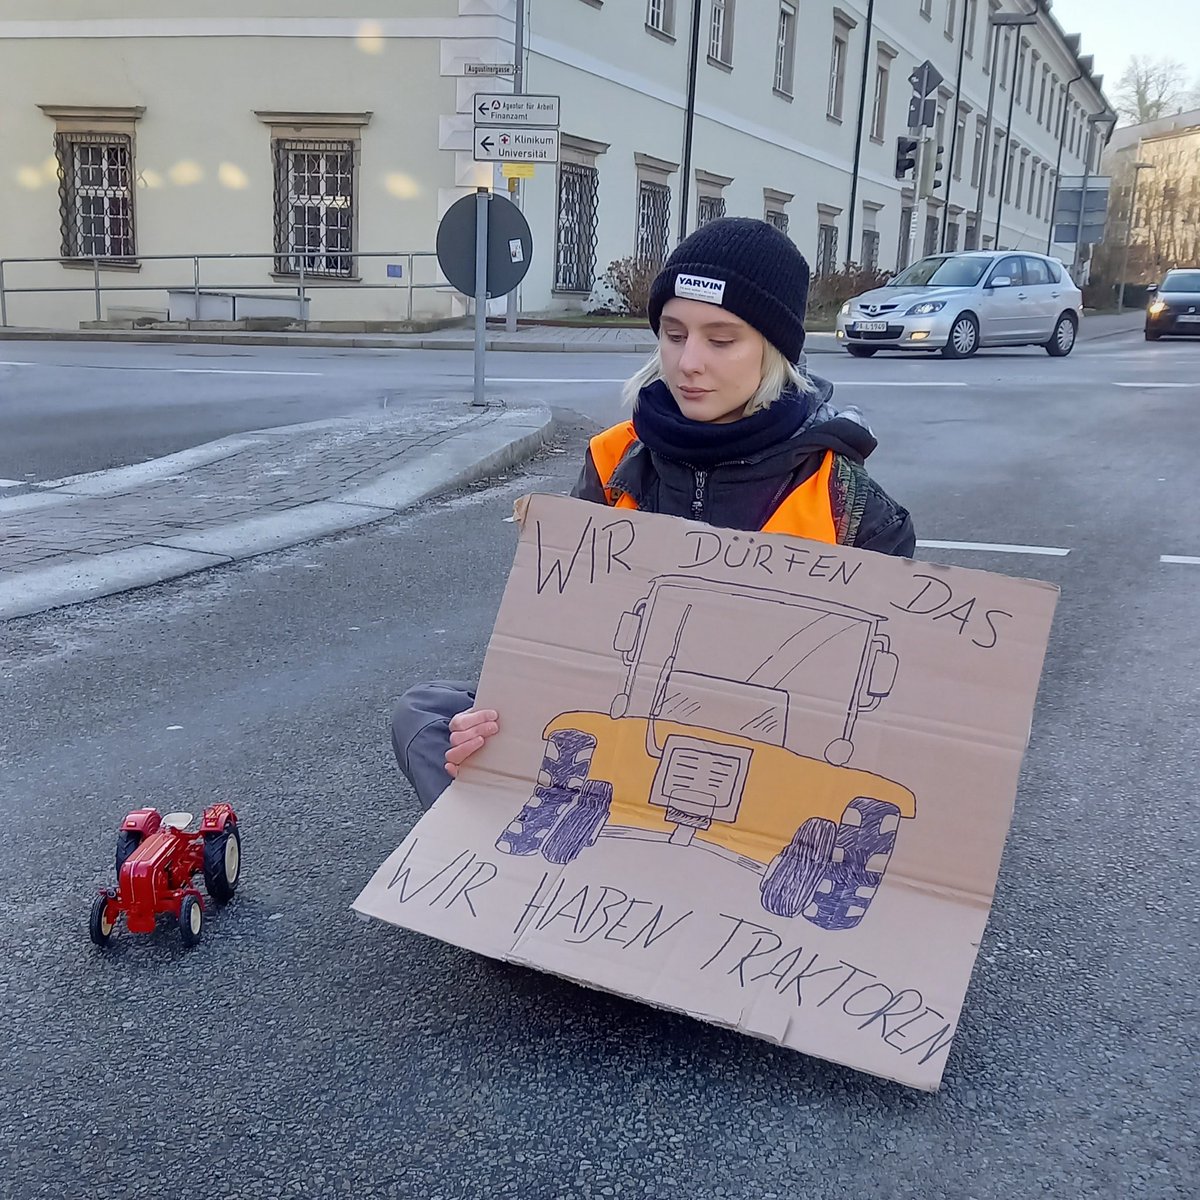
{"points": [[515, 144], [507, 109]]}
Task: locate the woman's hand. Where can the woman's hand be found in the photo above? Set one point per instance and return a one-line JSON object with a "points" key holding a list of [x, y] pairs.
{"points": [[468, 732]]}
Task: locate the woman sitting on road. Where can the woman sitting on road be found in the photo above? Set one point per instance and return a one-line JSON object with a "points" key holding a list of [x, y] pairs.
{"points": [[726, 429]]}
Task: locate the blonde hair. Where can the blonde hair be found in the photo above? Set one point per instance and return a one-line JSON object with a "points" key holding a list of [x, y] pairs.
{"points": [[777, 376]]}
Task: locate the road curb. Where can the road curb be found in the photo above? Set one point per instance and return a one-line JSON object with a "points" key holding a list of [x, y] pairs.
{"points": [[499, 442]]}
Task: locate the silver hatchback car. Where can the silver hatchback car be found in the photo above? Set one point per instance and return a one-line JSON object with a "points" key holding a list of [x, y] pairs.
{"points": [[956, 303]]}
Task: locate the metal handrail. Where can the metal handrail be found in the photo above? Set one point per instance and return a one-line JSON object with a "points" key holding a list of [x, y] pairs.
{"points": [[305, 280]]}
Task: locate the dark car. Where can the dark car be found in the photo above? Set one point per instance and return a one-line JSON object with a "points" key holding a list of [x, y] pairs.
{"points": [[1174, 305]]}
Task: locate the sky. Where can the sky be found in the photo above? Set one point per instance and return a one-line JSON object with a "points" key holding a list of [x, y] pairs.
{"points": [[1115, 29]]}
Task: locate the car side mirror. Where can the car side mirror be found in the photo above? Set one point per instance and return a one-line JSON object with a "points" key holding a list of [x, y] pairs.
{"points": [[1000, 281]]}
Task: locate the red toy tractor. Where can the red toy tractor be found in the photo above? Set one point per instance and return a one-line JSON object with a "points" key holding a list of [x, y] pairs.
{"points": [[156, 859]]}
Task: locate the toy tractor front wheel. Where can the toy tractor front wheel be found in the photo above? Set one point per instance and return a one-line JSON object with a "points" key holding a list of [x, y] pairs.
{"points": [[788, 883], [223, 862], [101, 925], [862, 850], [191, 920]]}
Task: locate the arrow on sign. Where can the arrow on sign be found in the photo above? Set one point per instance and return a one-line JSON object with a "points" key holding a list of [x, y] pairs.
{"points": [[483, 108], [486, 145]]}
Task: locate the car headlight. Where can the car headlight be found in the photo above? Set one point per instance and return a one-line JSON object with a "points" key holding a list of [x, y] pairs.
{"points": [[845, 310], [925, 308], [1157, 307]]}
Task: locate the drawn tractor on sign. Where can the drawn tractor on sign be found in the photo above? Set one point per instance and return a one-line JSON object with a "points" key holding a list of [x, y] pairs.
{"points": [[157, 858], [732, 734]]}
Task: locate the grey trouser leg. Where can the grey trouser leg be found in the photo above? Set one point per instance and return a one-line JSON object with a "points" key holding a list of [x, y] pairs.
{"points": [[421, 734]]}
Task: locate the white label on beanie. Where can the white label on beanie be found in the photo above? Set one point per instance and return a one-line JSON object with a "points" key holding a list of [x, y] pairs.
{"points": [[699, 287]]}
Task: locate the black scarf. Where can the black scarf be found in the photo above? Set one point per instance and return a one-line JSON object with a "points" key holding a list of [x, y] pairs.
{"points": [[662, 428]]}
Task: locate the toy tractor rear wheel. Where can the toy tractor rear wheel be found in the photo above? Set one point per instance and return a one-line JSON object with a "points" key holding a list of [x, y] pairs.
{"points": [[863, 847], [788, 883], [191, 921], [128, 840], [580, 826], [223, 862], [99, 926]]}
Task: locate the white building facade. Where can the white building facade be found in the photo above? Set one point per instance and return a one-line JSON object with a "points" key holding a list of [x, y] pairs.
{"points": [[330, 146]]}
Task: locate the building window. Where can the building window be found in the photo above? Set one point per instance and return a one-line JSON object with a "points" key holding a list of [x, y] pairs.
{"points": [[1022, 56], [660, 16], [1034, 58], [837, 71], [777, 219], [971, 239], [870, 249], [785, 48], [1042, 95], [952, 237], [653, 222], [1005, 45], [827, 238], [314, 207], [578, 212], [95, 191], [995, 171], [951, 13], [720, 32], [1041, 199], [879, 106], [960, 144], [1011, 175], [977, 152], [709, 208], [931, 235], [774, 208], [972, 15]]}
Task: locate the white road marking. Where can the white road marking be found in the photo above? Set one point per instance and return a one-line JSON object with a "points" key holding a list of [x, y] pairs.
{"points": [[12, 482], [165, 370], [899, 383], [1180, 558], [995, 548], [17, 364], [1154, 385], [503, 379]]}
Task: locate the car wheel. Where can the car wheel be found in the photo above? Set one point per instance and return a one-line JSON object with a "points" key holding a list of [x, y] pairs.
{"points": [[100, 926], [581, 825], [128, 840], [1152, 336], [787, 884], [223, 862], [862, 351], [191, 921], [1063, 340], [964, 337]]}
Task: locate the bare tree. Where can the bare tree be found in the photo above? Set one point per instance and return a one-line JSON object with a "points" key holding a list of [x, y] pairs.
{"points": [[1151, 88]]}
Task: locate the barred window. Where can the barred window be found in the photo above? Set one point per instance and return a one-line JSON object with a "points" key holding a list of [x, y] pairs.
{"points": [[709, 208], [827, 236], [95, 190], [653, 221], [314, 207], [778, 219], [575, 244], [870, 249]]}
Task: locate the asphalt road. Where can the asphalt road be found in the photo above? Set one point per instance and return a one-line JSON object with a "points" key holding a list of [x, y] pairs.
{"points": [[71, 407], [301, 1052]]}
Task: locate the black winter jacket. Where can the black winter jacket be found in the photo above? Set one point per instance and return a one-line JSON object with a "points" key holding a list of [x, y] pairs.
{"points": [[744, 494]]}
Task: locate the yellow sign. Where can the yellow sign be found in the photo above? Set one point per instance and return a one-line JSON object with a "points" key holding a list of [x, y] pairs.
{"points": [[523, 170]]}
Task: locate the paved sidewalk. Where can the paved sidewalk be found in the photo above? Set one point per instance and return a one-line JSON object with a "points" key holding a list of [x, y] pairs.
{"points": [[98, 534], [546, 339]]}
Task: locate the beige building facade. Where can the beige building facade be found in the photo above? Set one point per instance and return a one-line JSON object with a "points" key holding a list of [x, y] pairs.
{"points": [[329, 146]]}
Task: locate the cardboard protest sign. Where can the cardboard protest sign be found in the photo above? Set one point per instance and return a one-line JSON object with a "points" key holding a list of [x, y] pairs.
{"points": [[760, 780]]}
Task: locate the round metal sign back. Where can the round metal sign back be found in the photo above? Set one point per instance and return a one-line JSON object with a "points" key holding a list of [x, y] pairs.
{"points": [[510, 245]]}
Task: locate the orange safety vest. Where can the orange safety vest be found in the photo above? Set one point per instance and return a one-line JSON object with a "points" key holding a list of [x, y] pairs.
{"points": [[805, 512]]}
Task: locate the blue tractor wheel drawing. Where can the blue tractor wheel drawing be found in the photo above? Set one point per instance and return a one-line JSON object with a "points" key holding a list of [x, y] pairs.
{"points": [[581, 824], [787, 884], [862, 848], [565, 762]]}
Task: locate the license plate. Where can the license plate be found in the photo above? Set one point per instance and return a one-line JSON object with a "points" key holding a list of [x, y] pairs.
{"points": [[871, 326], [1189, 320]]}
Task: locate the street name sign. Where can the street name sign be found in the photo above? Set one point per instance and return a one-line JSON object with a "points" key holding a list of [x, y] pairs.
{"points": [[489, 69], [508, 109], [515, 144]]}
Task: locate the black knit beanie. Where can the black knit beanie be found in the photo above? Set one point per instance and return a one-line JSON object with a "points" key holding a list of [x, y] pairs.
{"points": [[747, 267]]}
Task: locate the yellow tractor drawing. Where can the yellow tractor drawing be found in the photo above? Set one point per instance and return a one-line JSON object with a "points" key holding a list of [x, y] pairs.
{"points": [[732, 734]]}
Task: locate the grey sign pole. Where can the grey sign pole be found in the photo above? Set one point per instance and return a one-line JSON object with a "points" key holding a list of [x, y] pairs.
{"points": [[518, 195], [482, 196]]}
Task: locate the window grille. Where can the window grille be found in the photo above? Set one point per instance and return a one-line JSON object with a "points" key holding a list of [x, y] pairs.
{"points": [[95, 192], [575, 246], [870, 249], [314, 208], [654, 218], [827, 237], [779, 220], [709, 208]]}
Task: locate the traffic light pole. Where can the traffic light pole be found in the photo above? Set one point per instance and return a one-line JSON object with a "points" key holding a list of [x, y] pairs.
{"points": [[922, 151]]}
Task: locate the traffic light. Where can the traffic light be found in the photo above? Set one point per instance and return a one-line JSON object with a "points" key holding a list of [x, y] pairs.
{"points": [[906, 156], [931, 168]]}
